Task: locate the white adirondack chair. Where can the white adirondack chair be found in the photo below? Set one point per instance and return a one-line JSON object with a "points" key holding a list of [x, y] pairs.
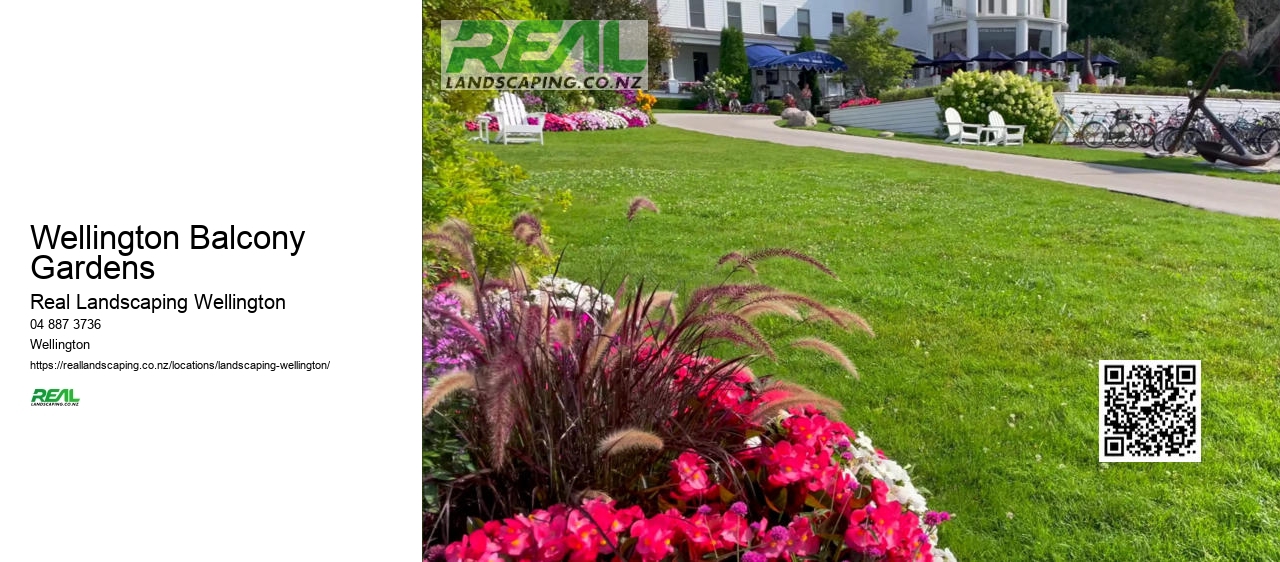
{"points": [[960, 132], [1007, 135], [513, 120]]}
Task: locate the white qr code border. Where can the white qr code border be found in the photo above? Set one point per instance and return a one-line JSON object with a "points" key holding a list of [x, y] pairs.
{"points": [[1104, 381]]}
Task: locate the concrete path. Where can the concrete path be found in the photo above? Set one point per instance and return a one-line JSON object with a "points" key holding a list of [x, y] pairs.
{"points": [[1252, 199]]}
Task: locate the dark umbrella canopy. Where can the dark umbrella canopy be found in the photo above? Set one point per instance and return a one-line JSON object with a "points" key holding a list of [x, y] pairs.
{"points": [[922, 61], [816, 61], [1031, 56], [950, 58], [758, 56], [1104, 60], [1067, 56], [993, 56]]}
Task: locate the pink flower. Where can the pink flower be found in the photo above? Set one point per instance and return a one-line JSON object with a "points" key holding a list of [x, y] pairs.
{"points": [[689, 472], [789, 463], [653, 537]]}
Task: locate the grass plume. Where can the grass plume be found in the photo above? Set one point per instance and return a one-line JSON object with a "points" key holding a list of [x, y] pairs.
{"points": [[630, 439], [445, 386]]}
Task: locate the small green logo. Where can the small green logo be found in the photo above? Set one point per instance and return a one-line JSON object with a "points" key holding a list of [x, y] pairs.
{"points": [[54, 396]]}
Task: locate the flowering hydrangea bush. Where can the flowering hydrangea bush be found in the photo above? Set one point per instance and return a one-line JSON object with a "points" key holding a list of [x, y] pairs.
{"points": [[860, 102], [1018, 99], [603, 432]]}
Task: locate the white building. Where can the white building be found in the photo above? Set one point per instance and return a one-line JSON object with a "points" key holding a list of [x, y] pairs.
{"points": [[929, 27]]}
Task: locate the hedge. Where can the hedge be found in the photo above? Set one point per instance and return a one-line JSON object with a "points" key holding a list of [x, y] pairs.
{"points": [[676, 103], [1182, 92]]}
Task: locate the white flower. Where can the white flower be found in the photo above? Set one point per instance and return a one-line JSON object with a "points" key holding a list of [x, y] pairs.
{"points": [[753, 442], [1009, 515], [943, 555]]}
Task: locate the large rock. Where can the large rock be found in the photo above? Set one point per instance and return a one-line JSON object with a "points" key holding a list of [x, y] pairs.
{"points": [[790, 112], [804, 119]]}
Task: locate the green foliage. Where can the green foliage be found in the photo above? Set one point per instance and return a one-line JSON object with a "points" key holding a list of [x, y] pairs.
{"points": [[661, 47], [733, 60], [675, 103], [1130, 58], [1182, 92], [470, 102], [1019, 100], [904, 94], [459, 181], [1204, 29], [716, 84], [607, 99], [1089, 89], [1162, 71], [775, 106], [444, 454], [867, 47], [552, 9]]}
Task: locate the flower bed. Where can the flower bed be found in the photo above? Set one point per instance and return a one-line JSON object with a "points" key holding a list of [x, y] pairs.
{"points": [[595, 430], [592, 120], [859, 102], [756, 108]]}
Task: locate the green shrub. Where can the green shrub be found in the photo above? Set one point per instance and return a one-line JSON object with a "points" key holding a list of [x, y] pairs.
{"points": [[716, 84], [675, 103], [460, 181], [1182, 92], [1019, 100], [904, 94], [607, 99], [1162, 71], [1089, 88], [775, 106]]}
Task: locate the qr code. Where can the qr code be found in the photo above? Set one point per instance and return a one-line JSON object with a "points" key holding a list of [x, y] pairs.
{"points": [[1149, 411]]}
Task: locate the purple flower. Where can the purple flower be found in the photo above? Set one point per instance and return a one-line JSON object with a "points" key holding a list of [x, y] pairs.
{"points": [[753, 557], [846, 455], [704, 509], [936, 517], [779, 533], [739, 508]]}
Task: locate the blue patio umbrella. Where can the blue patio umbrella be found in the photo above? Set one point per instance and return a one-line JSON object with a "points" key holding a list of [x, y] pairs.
{"points": [[1031, 55], [758, 56], [1067, 56], [993, 55], [816, 61], [922, 61], [1104, 60], [950, 58]]}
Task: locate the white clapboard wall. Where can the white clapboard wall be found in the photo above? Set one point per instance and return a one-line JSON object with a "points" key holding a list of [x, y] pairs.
{"points": [[921, 115], [911, 116]]}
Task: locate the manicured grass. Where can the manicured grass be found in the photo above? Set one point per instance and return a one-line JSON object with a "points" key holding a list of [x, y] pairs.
{"points": [[1186, 165], [991, 295]]}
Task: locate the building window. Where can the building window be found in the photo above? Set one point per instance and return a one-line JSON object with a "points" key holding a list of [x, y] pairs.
{"points": [[906, 6], [837, 22], [802, 22], [771, 20], [697, 16], [735, 15]]}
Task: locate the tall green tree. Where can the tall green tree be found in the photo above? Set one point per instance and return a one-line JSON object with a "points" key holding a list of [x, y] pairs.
{"points": [[809, 77], [1130, 58], [1202, 31], [866, 45], [733, 60], [661, 47]]}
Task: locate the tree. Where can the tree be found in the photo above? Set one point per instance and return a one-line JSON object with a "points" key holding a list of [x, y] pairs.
{"points": [[866, 46], [733, 60], [809, 77], [1130, 58], [661, 46], [1202, 31], [472, 102]]}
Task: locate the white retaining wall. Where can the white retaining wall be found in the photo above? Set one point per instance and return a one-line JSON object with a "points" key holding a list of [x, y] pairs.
{"points": [[911, 116], [920, 116]]}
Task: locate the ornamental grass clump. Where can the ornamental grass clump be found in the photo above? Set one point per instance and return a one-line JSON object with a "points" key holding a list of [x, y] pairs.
{"points": [[609, 432], [1019, 100]]}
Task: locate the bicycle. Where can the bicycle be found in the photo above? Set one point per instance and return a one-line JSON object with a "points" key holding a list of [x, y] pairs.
{"points": [[1118, 129], [1067, 128]]}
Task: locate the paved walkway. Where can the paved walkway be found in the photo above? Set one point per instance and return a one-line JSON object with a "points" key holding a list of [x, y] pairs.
{"points": [[1238, 197]]}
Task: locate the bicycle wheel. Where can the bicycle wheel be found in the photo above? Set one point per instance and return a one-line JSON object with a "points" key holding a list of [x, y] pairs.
{"points": [[1189, 140], [1094, 134], [1144, 134], [1122, 135], [1263, 140], [1160, 142]]}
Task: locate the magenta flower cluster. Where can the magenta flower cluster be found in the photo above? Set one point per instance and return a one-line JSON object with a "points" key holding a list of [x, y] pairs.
{"points": [[445, 346]]}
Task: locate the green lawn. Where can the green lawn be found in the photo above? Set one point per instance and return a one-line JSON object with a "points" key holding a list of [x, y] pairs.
{"points": [[991, 295], [1186, 165]]}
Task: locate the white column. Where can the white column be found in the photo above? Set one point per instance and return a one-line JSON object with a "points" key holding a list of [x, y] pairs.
{"points": [[1022, 9], [1020, 35], [971, 45], [1058, 41]]}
